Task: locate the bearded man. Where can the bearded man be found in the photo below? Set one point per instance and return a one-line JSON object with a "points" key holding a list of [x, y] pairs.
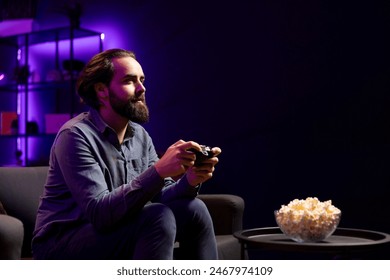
{"points": [[108, 195]]}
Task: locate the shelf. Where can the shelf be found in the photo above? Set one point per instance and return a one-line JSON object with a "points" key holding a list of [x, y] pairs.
{"points": [[28, 100], [24, 135], [49, 35], [12, 87]]}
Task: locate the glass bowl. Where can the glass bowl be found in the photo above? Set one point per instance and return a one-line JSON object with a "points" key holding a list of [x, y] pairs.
{"points": [[307, 228]]}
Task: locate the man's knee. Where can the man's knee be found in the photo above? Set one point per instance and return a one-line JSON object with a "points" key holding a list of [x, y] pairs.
{"points": [[198, 207], [159, 217], [191, 210]]}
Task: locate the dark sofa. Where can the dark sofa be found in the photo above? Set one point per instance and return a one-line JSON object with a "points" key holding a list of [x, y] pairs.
{"points": [[21, 187]]}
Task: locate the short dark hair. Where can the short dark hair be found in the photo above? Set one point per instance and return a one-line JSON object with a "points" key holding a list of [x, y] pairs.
{"points": [[99, 69]]}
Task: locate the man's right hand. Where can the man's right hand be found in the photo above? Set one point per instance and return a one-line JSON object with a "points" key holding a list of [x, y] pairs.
{"points": [[177, 159]]}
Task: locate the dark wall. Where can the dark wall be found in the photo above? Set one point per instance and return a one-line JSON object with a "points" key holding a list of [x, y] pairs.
{"points": [[296, 93]]}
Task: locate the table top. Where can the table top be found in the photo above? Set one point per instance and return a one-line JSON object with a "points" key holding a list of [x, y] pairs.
{"points": [[345, 240]]}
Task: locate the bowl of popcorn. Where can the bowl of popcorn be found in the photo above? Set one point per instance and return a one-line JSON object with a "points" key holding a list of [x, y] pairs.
{"points": [[308, 220]]}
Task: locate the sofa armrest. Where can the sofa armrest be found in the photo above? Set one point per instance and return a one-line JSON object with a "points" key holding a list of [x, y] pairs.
{"points": [[11, 238], [20, 189], [226, 210]]}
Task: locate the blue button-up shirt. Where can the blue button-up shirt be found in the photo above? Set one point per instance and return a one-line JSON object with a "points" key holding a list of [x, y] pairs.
{"points": [[93, 178]]}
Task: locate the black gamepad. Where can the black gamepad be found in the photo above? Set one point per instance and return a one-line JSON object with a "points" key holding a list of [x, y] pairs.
{"points": [[202, 155]]}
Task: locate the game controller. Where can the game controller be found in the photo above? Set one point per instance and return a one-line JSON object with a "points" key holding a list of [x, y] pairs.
{"points": [[202, 155]]}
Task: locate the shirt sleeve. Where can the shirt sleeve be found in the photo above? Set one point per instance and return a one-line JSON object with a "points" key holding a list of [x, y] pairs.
{"points": [[173, 190]]}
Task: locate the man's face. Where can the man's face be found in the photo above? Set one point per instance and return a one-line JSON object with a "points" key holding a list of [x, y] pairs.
{"points": [[127, 91]]}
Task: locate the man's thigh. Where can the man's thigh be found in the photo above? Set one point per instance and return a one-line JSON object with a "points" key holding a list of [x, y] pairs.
{"points": [[85, 242]]}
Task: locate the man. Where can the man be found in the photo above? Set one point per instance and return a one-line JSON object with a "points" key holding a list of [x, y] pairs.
{"points": [[107, 194]]}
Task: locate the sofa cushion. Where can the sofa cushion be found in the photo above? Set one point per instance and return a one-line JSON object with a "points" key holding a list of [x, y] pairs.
{"points": [[229, 248]]}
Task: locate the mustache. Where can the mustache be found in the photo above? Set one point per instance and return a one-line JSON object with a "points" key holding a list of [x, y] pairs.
{"points": [[136, 99]]}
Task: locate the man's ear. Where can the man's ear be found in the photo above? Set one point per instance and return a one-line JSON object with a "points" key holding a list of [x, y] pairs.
{"points": [[101, 91]]}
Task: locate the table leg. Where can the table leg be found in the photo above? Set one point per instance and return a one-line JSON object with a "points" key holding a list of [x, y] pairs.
{"points": [[243, 250]]}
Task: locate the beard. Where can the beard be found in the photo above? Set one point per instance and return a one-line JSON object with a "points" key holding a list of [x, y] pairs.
{"points": [[132, 109]]}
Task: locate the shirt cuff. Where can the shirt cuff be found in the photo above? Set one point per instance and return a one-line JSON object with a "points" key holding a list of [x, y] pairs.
{"points": [[185, 189]]}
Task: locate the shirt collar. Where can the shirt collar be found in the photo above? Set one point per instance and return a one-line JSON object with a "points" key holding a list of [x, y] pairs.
{"points": [[103, 127]]}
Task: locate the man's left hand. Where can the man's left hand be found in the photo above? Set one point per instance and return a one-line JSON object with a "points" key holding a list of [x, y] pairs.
{"points": [[204, 170]]}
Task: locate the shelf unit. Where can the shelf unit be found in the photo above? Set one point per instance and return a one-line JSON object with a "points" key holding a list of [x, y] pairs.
{"points": [[21, 89]]}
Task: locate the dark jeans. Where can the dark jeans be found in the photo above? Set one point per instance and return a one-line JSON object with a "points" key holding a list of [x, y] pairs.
{"points": [[149, 235]]}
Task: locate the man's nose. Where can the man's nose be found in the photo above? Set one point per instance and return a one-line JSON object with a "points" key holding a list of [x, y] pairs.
{"points": [[140, 87]]}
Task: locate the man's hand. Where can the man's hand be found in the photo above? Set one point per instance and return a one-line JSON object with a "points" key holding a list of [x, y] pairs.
{"points": [[176, 160], [204, 170]]}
